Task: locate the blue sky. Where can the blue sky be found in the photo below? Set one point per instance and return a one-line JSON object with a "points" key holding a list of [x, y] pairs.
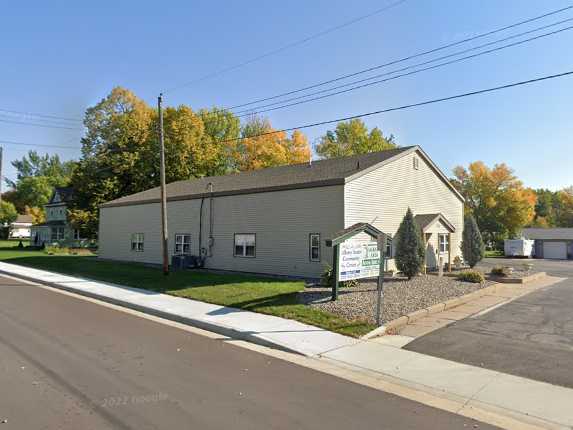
{"points": [[60, 57]]}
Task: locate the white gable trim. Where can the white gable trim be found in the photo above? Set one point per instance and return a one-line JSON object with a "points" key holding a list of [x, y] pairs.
{"points": [[425, 156]]}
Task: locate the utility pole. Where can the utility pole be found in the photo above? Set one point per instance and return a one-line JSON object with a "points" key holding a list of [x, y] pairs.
{"points": [[164, 234]]}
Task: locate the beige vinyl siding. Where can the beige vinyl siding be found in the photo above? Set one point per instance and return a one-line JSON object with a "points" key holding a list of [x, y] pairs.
{"points": [[281, 221], [382, 196]]}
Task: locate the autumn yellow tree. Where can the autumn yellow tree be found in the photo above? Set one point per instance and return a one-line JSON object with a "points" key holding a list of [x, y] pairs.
{"points": [[498, 200], [262, 146]]}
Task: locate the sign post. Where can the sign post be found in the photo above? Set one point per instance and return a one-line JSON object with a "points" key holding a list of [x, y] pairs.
{"points": [[335, 263], [355, 258], [382, 248]]}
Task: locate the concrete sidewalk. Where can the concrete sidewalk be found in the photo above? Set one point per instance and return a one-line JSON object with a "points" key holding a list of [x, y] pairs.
{"points": [[533, 402]]}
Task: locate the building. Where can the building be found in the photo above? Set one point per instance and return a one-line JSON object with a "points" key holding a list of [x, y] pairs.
{"points": [[556, 243], [20, 228], [277, 220], [56, 228]]}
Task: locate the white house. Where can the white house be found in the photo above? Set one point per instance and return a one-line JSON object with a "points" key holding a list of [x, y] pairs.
{"points": [[277, 220], [20, 228]]}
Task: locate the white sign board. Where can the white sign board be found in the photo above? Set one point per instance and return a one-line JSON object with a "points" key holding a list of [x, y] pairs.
{"points": [[358, 260]]}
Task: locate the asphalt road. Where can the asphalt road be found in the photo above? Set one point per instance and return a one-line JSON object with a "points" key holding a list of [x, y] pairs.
{"points": [[66, 363], [530, 337]]}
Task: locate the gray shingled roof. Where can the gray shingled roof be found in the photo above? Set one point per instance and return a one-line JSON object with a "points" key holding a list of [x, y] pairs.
{"points": [[557, 233], [425, 220], [318, 173]]}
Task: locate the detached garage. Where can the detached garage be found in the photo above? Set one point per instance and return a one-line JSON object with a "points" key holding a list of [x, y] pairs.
{"points": [[552, 243]]}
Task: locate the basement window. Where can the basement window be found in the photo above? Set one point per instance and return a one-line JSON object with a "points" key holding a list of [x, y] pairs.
{"points": [[137, 242], [314, 247], [182, 244], [245, 245]]}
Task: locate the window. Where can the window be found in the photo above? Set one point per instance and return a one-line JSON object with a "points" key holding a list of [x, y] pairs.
{"points": [[245, 245], [388, 249], [416, 163], [314, 246], [77, 234], [57, 233], [137, 242], [444, 242], [182, 244]]}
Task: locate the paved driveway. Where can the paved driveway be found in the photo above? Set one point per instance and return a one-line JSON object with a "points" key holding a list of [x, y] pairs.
{"points": [[530, 337], [561, 268]]}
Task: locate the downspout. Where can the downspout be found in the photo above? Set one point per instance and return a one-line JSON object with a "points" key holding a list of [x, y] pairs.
{"points": [[211, 221]]}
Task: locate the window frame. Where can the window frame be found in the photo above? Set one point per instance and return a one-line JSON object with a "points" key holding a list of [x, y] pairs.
{"points": [[135, 241], [446, 243], [311, 246], [182, 244], [388, 246], [244, 254], [60, 233]]}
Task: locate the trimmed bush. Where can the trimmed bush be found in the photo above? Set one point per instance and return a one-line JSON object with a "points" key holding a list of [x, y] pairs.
{"points": [[501, 271], [350, 284], [473, 248], [471, 276], [410, 247]]}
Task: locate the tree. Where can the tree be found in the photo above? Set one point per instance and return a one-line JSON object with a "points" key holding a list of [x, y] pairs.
{"points": [[499, 202], [473, 248], [8, 213], [410, 247], [262, 146], [116, 158], [352, 137], [37, 176]]}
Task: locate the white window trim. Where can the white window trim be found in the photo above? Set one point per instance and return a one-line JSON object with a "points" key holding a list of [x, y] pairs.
{"points": [[311, 246], [446, 242], [180, 242], [137, 239], [243, 254]]}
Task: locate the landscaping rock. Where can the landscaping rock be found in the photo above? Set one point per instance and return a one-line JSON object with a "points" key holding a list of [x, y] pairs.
{"points": [[400, 297]]}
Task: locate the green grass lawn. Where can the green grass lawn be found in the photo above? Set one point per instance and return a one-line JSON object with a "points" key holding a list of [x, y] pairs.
{"points": [[257, 294], [495, 253], [12, 242]]}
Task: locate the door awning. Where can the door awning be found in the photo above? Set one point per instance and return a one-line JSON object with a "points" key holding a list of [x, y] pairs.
{"points": [[426, 221]]}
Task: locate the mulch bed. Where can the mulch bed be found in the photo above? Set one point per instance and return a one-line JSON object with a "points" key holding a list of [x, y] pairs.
{"points": [[400, 296]]}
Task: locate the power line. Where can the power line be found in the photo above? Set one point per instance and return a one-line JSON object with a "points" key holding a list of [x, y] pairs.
{"points": [[10, 142], [41, 115], [285, 47], [409, 57], [37, 125], [489, 51], [408, 106]]}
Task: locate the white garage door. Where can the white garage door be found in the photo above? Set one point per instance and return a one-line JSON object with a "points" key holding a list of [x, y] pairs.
{"points": [[557, 250]]}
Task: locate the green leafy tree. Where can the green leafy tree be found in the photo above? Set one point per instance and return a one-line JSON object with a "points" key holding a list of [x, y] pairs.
{"points": [[473, 248], [352, 137], [410, 247], [36, 177], [8, 213]]}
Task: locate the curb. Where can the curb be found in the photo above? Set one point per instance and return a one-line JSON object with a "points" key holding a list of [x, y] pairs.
{"points": [[204, 325]]}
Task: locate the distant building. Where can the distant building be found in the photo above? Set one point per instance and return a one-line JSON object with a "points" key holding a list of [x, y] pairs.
{"points": [[554, 243], [56, 228], [20, 229], [277, 220]]}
